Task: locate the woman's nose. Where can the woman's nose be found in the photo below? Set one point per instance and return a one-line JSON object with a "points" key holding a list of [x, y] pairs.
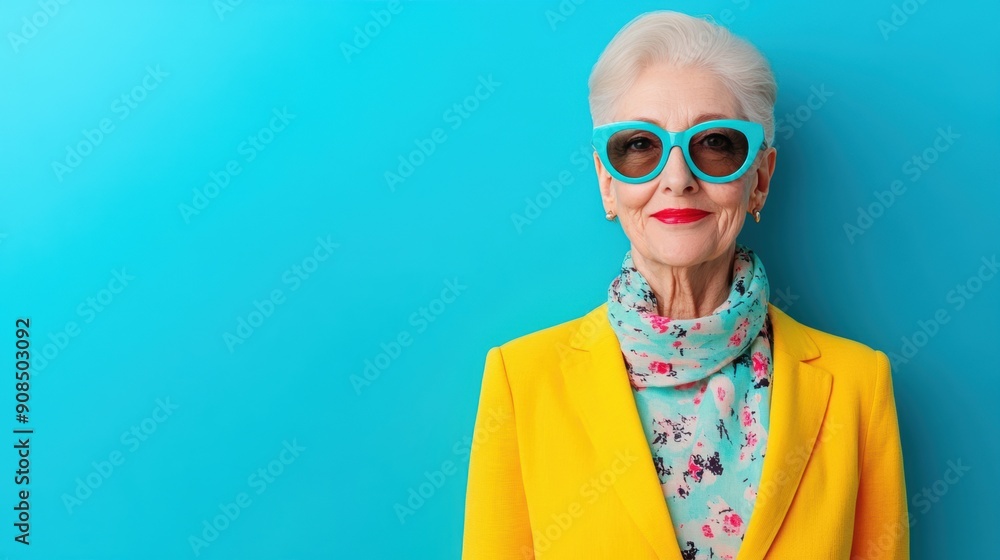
{"points": [[676, 175]]}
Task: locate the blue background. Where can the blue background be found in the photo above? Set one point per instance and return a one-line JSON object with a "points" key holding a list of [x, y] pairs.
{"points": [[360, 88]]}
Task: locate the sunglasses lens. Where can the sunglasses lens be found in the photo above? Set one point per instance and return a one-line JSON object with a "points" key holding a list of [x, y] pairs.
{"points": [[634, 153], [719, 152]]}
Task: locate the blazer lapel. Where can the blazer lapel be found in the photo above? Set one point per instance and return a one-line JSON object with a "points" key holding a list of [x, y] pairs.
{"points": [[799, 396], [597, 385]]}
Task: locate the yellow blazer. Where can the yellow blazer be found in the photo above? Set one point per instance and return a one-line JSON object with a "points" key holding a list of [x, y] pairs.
{"points": [[560, 467]]}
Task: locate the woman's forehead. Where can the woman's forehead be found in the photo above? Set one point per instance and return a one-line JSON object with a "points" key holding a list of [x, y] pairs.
{"points": [[676, 97]]}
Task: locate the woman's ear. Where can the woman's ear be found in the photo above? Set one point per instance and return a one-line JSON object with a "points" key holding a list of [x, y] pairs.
{"points": [[765, 170], [604, 183]]}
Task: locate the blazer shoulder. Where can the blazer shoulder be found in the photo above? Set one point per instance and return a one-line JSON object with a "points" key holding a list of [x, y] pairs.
{"points": [[548, 339], [862, 381], [834, 346], [851, 363], [536, 353], [810, 342]]}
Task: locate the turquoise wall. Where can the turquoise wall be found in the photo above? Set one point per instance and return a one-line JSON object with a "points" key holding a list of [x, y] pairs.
{"points": [[264, 248]]}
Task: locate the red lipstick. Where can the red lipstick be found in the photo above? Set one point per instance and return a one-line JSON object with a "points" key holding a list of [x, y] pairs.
{"points": [[680, 215]]}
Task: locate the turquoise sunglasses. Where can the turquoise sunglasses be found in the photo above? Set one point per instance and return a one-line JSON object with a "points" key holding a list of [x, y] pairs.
{"points": [[716, 151]]}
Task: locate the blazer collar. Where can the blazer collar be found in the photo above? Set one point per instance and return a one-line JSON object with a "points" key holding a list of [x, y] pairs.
{"points": [[598, 387]]}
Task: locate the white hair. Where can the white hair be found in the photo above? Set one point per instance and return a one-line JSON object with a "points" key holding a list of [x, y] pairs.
{"points": [[682, 40]]}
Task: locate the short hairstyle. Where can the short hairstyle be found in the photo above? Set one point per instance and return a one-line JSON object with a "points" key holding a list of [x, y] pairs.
{"points": [[683, 40]]}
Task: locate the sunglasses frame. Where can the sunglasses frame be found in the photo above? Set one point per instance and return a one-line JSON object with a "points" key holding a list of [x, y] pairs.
{"points": [[753, 131]]}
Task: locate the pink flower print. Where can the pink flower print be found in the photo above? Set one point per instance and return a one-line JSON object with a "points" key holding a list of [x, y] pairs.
{"points": [[731, 523], [697, 398], [696, 327], [720, 393], [746, 416], [660, 367], [706, 530], [759, 365], [752, 439], [694, 469], [659, 323], [677, 344], [741, 332]]}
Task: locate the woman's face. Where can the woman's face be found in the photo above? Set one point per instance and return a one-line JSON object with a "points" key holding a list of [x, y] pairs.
{"points": [[676, 99]]}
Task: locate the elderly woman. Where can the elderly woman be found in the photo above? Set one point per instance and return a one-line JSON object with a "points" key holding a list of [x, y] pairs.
{"points": [[686, 418]]}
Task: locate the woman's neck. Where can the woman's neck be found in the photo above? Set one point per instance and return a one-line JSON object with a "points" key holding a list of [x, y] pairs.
{"points": [[688, 292]]}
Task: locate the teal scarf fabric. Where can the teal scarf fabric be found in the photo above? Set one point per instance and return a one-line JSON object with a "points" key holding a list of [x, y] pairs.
{"points": [[702, 390]]}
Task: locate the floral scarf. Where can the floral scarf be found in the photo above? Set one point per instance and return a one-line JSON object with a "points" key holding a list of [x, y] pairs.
{"points": [[702, 390]]}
